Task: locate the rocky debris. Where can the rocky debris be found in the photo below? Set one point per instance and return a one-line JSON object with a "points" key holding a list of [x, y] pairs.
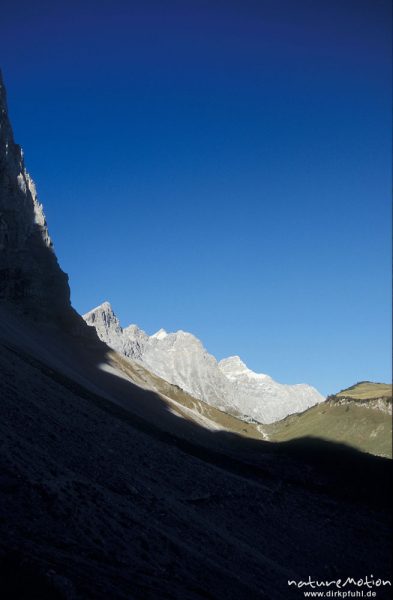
{"points": [[382, 404], [96, 503]]}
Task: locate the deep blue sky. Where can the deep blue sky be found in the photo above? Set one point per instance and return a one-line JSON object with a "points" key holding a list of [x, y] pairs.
{"points": [[218, 167]]}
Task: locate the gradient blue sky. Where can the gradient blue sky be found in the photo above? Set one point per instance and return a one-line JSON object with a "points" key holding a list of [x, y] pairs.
{"points": [[218, 167]]}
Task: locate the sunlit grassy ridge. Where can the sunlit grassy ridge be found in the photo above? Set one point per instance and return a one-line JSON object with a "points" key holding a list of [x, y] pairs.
{"points": [[359, 416], [366, 429], [365, 390]]}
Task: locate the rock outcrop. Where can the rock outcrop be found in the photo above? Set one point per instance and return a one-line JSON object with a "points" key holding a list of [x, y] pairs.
{"points": [[130, 341], [30, 276]]}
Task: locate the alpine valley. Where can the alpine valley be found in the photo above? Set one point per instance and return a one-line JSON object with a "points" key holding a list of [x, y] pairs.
{"points": [[125, 472]]}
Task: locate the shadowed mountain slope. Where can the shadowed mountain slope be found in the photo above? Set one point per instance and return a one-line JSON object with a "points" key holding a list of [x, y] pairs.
{"points": [[106, 491], [111, 489]]}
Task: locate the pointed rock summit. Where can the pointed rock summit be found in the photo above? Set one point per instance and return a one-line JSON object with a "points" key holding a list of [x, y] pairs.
{"points": [[129, 341], [234, 368], [160, 334], [181, 359], [30, 276]]}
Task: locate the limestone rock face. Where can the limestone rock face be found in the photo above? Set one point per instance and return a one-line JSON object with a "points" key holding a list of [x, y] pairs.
{"points": [[130, 341], [181, 359], [30, 276]]}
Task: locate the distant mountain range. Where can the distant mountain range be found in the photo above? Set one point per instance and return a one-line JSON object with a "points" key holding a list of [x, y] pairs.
{"points": [[181, 359]]}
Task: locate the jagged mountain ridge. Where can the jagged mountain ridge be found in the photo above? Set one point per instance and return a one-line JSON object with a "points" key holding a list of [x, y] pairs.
{"points": [[181, 359], [30, 276]]}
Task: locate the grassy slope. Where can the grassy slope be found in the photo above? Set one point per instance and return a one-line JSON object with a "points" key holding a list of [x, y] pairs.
{"points": [[365, 429], [367, 390]]}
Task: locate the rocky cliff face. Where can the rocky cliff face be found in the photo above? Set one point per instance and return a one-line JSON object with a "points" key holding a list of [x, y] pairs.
{"points": [[130, 341], [30, 276], [181, 359]]}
